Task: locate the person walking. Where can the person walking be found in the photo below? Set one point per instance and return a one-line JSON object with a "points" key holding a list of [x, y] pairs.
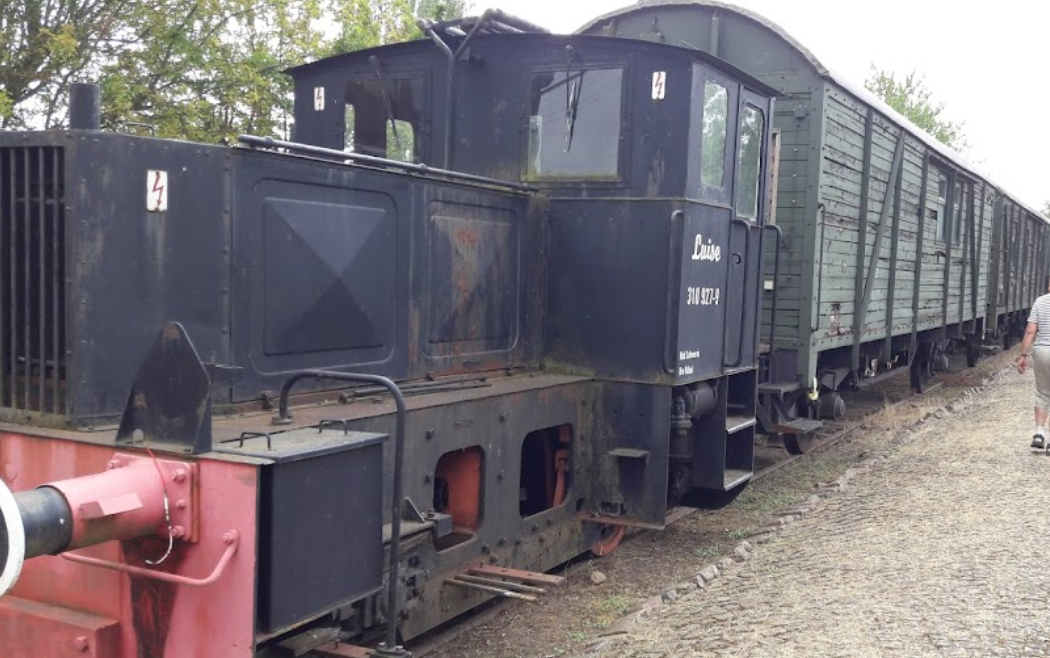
{"points": [[1036, 344]]}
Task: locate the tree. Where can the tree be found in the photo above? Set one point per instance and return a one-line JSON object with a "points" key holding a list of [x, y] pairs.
{"points": [[1046, 209], [913, 99], [202, 70], [43, 45]]}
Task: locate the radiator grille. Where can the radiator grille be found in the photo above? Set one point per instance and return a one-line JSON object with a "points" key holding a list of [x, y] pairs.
{"points": [[32, 276]]}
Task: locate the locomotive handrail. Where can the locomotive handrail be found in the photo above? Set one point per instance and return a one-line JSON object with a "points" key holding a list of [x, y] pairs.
{"points": [[231, 539], [271, 143], [399, 449], [776, 281], [743, 306]]}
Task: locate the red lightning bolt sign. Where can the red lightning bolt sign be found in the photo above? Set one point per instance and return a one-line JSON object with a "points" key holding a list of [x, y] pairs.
{"points": [[659, 78], [157, 191]]}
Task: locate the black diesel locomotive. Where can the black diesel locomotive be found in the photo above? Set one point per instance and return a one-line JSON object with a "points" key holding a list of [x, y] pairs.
{"points": [[501, 296], [391, 390]]}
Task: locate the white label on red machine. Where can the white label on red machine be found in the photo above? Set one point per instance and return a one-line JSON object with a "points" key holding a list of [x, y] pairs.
{"points": [[156, 191]]}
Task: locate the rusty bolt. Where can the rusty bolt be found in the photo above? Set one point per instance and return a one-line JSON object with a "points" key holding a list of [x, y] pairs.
{"points": [[113, 463], [81, 643], [430, 434], [178, 475], [180, 504], [493, 559], [178, 532]]}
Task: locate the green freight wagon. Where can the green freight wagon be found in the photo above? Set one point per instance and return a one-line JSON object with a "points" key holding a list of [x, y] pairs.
{"points": [[895, 252]]}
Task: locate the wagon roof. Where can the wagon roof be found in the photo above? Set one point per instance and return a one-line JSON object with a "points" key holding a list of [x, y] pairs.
{"points": [[824, 71]]}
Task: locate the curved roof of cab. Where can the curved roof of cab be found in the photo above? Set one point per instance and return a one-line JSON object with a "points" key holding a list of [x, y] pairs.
{"points": [[822, 70]]}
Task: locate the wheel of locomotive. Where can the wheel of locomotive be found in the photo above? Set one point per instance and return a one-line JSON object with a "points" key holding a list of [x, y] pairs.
{"points": [[799, 444], [608, 541]]}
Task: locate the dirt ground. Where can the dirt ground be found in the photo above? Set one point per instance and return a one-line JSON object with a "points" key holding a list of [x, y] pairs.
{"points": [[649, 566]]}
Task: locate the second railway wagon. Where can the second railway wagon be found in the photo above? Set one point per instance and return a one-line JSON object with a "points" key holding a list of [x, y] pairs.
{"points": [[895, 249]]}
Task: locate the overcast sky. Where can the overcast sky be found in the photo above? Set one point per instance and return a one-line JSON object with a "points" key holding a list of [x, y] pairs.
{"points": [[989, 64]]}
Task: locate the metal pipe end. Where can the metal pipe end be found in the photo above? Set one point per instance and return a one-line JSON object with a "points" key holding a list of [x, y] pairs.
{"points": [[85, 106], [12, 540]]}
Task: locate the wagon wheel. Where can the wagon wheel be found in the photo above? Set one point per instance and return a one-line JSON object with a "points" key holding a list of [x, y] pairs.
{"points": [[799, 444], [608, 540]]}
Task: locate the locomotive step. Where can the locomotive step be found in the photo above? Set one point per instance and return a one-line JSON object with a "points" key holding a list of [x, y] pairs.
{"points": [[736, 423], [734, 477], [778, 388]]}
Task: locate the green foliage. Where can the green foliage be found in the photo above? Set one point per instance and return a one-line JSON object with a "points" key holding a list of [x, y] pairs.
{"points": [[913, 99], [7, 106], [203, 70]]}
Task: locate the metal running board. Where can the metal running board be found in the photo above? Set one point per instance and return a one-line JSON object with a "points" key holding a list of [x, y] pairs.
{"points": [[733, 477], [504, 582], [780, 389], [736, 423], [798, 426]]}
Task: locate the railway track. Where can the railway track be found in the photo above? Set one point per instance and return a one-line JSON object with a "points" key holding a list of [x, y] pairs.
{"points": [[890, 393]]}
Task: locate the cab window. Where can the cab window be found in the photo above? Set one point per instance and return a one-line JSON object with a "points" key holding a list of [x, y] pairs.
{"points": [[382, 118], [713, 137], [575, 123], [749, 162]]}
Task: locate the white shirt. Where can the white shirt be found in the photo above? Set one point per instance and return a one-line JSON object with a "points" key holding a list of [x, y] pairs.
{"points": [[1041, 316]]}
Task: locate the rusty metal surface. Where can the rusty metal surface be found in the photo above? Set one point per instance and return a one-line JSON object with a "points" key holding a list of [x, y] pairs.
{"points": [[341, 650], [516, 574], [30, 629], [155, 618]]}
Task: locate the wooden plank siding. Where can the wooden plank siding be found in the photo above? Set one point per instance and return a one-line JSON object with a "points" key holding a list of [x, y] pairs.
{"points": [[952, 276], [793, 181]]}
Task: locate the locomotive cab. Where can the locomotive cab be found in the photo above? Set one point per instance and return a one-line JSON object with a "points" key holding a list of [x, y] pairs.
{"points": [[654, 159]]}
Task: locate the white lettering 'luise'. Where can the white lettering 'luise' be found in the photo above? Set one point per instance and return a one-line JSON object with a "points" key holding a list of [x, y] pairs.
{"points": [[708, 251]]}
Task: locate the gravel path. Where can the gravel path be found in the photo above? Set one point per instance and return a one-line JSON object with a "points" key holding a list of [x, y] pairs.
{"points": [[931, 549]]}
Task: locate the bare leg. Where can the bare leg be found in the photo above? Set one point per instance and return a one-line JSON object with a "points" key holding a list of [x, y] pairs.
{"points": [[1040, 417]]}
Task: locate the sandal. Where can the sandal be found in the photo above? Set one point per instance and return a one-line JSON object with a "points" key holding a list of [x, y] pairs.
{"points": [[1038, 441]]}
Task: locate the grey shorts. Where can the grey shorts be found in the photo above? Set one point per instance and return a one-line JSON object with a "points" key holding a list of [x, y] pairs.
{"points": [[1041, 366]]}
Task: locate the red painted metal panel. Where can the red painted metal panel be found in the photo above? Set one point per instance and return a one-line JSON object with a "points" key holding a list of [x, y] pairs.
{"points": [[37, 630], [156, 619]]}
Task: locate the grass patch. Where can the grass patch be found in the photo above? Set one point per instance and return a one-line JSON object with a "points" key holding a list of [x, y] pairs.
{"points": [[707, 552]]}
